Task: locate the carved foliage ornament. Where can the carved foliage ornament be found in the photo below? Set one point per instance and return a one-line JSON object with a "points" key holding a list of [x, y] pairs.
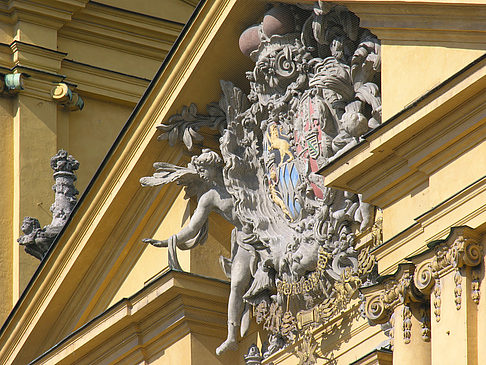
{"points": [[461, 252], [313, 93], [456, 256]]}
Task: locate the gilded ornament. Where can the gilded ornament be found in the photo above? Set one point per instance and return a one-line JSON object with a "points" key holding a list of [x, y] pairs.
{"points": [[458, 289], [407, 323], [288, 326], [437, 300], [475, 284], [306, 350]]}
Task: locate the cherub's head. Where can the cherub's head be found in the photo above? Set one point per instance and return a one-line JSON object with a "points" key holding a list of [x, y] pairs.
{"points": [[208, 165], [29, 224]]}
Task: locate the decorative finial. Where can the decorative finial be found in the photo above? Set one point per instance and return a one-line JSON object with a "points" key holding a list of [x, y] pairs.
{"points": [[37, 240]]}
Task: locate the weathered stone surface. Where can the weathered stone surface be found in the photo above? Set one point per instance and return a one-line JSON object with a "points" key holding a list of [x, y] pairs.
{"points": [[37, 240], [313, 93]]}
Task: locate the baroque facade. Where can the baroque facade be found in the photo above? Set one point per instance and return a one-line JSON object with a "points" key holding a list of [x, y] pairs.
{"points": [[332, 211]]}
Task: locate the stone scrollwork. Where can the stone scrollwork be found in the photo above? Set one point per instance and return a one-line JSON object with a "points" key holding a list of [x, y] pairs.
{"points": [[397, 291], [314, 91], [460, 253], [424, 278]]}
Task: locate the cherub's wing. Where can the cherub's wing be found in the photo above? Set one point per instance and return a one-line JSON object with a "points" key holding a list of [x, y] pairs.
{"points": [[167, 173]]}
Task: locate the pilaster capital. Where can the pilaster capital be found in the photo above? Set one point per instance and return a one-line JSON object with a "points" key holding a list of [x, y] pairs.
{"points": [[461, 248], [392, 290]]}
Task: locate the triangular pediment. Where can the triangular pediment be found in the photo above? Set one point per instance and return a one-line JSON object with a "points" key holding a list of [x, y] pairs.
{"points": [[100, 249]]}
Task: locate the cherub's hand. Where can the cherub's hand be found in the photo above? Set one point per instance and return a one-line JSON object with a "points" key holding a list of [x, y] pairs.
{"points": [[156, 243]]}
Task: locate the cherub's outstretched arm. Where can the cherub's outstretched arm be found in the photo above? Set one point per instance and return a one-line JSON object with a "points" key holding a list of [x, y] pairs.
{"points": [[198, 220]]}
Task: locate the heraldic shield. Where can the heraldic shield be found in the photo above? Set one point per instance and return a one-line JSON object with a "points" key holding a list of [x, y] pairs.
{"points": [[290, 155], [283, 176], [310, 140]]}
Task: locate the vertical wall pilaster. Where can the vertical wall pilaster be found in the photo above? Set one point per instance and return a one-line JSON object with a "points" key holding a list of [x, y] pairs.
{"points": [[35, 140]]}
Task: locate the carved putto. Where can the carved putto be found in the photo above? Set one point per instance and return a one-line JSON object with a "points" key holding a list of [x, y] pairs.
{"points": [[313, 94], [37, 240]]}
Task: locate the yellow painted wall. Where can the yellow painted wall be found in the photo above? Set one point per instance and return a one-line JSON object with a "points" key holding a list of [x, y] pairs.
{"points": [[35, 127], [411, 69], [178, 353], [91, 134], [6, 205], [154, 260], [441, 185]]}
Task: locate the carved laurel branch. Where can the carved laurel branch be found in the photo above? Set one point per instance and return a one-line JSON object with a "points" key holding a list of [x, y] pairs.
{"points": [[186, 125]]}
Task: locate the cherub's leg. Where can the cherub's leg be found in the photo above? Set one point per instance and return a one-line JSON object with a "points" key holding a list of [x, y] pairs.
{"points": [[240, 278]]}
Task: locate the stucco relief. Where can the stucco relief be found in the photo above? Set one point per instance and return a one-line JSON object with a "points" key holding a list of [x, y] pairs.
{"points": [[314, 91]]}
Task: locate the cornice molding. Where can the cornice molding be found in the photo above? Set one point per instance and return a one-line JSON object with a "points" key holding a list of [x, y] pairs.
{"points": [[465, 208], [105, 84], [118, 29], [165, 310], [51, 13], [422, 21], [46, 66], [36, 57]]}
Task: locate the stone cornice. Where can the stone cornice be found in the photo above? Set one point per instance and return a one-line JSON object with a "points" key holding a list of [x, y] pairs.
{"points": [[105, 84], [406, 149], [46, 66], [175, 304], [423, 21], [124, 30], [30, 55], [52, 13], [465, 207]]}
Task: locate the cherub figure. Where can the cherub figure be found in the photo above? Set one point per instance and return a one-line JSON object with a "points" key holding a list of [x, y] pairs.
{"points": [[31, 229], [203, 178]]}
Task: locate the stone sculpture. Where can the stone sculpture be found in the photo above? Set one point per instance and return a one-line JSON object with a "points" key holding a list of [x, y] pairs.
{"points": [[37, 240], [313, 94]]}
